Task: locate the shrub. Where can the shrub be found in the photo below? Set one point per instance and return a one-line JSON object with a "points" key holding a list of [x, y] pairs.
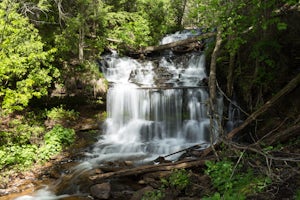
{"points": [[59, 113], [55, 140], [176, 182], [233, 183]]}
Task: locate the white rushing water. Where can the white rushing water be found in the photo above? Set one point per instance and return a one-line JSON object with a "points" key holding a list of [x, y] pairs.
{"points": [[154, 108]]}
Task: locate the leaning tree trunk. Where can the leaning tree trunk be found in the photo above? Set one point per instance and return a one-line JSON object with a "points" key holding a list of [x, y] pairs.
{"points": [[213, 86], [294, 130], [284, 91], [213, 69]]}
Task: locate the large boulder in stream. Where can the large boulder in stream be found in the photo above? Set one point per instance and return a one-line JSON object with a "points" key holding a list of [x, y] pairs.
{"points": [[101, 191]]}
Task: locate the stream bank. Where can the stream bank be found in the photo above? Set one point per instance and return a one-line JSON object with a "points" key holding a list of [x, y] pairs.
{"points": [[87, 128]]}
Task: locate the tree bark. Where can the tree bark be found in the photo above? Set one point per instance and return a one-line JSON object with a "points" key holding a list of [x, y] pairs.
{"points": [[213, 68], [212, 88], [282, 136], [230, 75], [149, 168], [81, 44]]}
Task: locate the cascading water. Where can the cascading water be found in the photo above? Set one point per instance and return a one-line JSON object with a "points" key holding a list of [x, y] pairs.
{"points": [[154, 108]]}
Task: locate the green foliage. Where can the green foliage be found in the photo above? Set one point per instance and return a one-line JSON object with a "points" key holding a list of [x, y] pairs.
{"points": [[297, 195], [179, 179], [20, 132], [25, 71], [55, 140], [160, 17], [24, 143], [21, 156], [154, 195], [231, 182], [134, 32], [83, 26], [59, 113], [176, 182], [143, 24]]}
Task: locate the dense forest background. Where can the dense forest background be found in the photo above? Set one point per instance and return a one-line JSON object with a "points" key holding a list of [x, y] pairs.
{"points": [[49, 53]]}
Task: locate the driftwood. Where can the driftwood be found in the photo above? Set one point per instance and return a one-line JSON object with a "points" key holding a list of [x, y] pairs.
{"points": [[149, 168], [150, 49]]}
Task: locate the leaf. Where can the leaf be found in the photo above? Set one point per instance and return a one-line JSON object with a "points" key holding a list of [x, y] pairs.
{"points": [[281, 26]]}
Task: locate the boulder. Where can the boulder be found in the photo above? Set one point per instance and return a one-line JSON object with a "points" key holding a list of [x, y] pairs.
{"points": [[101, 191], [138, 195]]}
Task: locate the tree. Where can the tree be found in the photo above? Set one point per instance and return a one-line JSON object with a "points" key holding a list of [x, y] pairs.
{"points": [[82, 30], [25, 69]]}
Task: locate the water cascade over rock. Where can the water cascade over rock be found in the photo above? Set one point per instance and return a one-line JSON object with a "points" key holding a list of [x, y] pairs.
{"points": [[155, 107]]}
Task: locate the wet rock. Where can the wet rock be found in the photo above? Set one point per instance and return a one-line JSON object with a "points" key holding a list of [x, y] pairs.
{"points": [[199, 186], [153, 179], [126, 194], [140, 193], [101, 191]]}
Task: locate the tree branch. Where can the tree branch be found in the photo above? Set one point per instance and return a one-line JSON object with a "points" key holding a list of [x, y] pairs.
{"points": [[284, 91]]}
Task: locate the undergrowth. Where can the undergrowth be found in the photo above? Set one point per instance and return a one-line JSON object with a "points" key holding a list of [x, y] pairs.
{"points": [[25, 140], [174, 184], [233, 181]]}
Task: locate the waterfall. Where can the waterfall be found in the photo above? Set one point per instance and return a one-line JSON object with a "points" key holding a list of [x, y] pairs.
{"points": [[154, 107]]}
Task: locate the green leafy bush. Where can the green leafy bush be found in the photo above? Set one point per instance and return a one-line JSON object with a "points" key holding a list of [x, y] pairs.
{"points": [[233, 183], [22, 144], [25, 69], [59, 113], [55, 140], [22, 156], [176, 182]]}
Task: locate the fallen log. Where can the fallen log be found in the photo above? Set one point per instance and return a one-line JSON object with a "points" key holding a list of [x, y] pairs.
{"points": [[150, 49], [149, 168], [284, 91], [291, 132]]}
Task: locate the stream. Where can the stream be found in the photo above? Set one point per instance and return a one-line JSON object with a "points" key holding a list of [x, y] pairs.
{"points": [[155, 107]]}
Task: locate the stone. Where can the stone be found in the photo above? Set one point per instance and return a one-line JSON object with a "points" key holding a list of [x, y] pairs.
{"points": [[101, 191], [138, 195]]}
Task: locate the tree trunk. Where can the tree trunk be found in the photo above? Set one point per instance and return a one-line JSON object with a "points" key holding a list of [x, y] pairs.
{"points": [[81, 45], [149, 168], [282, 136], [229, 86], [213, 68], [291, 131], [284, 91], [213, 86], [181, 13]]}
